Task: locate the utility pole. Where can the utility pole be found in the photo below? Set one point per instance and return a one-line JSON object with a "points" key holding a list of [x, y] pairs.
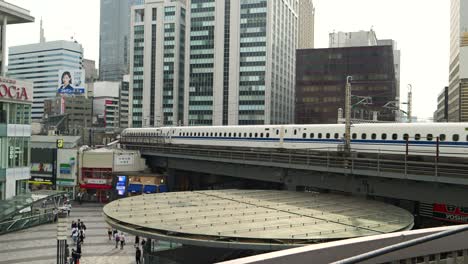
{"points": [[348, 114], [410, 102]]}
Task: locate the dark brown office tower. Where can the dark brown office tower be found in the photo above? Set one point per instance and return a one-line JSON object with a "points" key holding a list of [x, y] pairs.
{"points": [[321, 78]]}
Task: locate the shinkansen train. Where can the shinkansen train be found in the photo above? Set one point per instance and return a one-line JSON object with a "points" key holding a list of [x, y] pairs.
{"points": [[448, 139]]}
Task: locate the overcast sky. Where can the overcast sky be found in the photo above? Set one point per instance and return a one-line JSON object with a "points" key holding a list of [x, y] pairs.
{"points": [[420, 27]]}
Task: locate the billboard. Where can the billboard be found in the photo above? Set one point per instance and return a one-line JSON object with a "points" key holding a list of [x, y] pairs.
{"points": [[71, 82], [450, 213], [41, 167], [121, 185]]}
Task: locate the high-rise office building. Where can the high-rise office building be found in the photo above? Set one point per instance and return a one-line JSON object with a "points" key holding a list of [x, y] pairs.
{"points": [[157, 63], [458, 78], [368, 39], [441, 114], [239, 66], [43, 64], [114, 38], [306, 24], [241, 62], [321, 80]]}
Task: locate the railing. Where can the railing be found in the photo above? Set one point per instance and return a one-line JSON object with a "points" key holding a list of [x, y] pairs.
{"points": [[374, 164], [434, 245], [25, 222]]}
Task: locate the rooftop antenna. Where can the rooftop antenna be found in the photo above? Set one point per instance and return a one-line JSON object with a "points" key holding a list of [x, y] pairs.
{"points": [[41, 30]]}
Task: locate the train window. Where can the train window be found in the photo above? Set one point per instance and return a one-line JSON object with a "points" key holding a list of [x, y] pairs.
{"points": [[245, 134], [394, 136], [466, 137], [304, 135], [442, 137], [311, 135], [337, 135], [256, 134], [327, 135], [211, 134], [250, 135], [354, 135], [405, 137], [230, 134], [384, 136], [417, 136], [295, 132], [225, 134], [235, 135], [277, 131], [261, 135], [374, 136], [455, 137], [363, 136], [429, 137], [319, 135], [267, 135]]}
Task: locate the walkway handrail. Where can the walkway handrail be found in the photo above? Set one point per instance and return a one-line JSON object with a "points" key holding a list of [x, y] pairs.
{"points": [[402, 245]]}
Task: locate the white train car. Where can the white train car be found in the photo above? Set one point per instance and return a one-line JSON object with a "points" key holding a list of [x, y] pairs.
{"points": [[450, 138]]}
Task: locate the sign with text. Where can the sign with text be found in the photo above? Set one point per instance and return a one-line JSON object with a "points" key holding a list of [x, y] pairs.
{"points": [[96, 181], [121, 185], [123, 159], [14, 90], [71, 82]]}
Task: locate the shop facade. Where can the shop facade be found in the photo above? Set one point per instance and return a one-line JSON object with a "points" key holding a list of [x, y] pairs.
{"points": [[54, 167], [97, 170], [15, 136]]}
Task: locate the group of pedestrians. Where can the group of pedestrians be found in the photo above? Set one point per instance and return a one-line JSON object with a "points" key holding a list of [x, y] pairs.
{"points": [[120, 238], [78, 236]]}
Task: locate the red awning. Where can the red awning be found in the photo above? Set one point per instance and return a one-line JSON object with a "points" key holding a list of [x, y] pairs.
{"points": [[96, 186]]}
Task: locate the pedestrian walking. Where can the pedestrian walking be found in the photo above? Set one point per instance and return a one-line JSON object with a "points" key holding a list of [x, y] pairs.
{"points": [[67, 253], [122, 240], [76, 257], [79, 224], [109, 233], [75, 235], [114, 232], [82, 236], [78, 248], [143, 242], [137, 241], [117, 240], [138, 255], [80, 197], [68, 208], [74, 225], [55, 212]]}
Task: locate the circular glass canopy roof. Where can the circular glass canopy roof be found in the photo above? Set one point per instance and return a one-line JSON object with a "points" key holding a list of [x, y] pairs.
{"points": [[254, 219]]}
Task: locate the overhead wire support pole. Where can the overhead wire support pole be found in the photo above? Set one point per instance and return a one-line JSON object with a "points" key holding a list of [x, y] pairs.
{"points": [[348, 115]]}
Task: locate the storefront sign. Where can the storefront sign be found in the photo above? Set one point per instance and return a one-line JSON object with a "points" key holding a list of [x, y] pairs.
{"points": [[65, 168], [65, 182], [450, 213], [96, 181], [121, 185], [123, 159], [40, 180], [15, 90]]}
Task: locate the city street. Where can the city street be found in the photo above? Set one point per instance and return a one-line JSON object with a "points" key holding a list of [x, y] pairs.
{"points": [[37, 245]]}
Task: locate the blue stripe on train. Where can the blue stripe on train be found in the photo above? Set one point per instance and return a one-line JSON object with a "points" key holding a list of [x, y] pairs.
{"points": [[329, 141]]}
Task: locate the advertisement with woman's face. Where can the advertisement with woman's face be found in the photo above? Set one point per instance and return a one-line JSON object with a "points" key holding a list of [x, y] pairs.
{"points": [[70, 82]]}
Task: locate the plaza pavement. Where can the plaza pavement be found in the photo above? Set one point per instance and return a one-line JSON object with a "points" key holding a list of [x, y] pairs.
{"points": [[38, 245]]}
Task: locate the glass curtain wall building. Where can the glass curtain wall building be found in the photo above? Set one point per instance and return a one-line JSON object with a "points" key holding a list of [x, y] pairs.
{"points": [[241, 62], [114, 38], [157, 61], [15, 136]]}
